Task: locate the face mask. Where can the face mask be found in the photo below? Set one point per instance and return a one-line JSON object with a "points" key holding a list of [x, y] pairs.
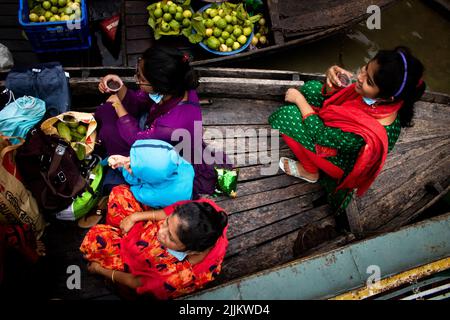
{"points": [[178, 254], [369, 101], [156, 97]]}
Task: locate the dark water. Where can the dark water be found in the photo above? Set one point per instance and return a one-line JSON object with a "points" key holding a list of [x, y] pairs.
{"points": [[409, 22]]}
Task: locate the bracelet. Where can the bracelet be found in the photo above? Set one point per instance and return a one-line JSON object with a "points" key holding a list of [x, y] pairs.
{"points": [[112, 276]]}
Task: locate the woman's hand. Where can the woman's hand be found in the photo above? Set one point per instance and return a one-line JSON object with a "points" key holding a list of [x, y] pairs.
{"points": [[94, 267], [128, 223], [293, 96], [103, 88], [115, 101], [117, 161], [332, 76]]}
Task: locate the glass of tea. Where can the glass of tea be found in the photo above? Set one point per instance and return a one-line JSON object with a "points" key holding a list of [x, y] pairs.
{"points": [[344, 79], [113, 85]]}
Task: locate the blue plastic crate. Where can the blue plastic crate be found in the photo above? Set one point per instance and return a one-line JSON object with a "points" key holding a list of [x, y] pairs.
{"points": [[58, 35]]}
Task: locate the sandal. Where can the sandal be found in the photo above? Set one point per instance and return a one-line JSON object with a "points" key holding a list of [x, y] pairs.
{"points": [[91, 220], [293, 169]]}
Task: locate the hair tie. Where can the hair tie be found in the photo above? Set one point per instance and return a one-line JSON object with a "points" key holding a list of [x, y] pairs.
{"points": [[405, 75]]}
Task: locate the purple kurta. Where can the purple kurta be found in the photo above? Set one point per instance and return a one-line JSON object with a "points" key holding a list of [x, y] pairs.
{"points": [[118, 134]]}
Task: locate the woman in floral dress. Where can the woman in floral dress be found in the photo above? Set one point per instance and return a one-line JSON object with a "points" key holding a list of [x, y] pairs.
{"points": [[165, 253]]}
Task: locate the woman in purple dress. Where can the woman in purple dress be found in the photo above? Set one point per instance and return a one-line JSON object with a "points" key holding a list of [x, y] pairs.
{"points": [[166, 101]]}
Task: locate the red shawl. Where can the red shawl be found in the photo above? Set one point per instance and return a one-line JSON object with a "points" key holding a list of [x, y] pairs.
{"points": [[155, 280], [347, 111]]}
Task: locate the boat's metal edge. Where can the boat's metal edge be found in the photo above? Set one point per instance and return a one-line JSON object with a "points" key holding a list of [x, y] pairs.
{"points": [[326, 275]]}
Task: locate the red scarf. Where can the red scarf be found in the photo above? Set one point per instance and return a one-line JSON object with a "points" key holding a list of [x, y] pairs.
{"points": [[141, 268], [347, 111]]}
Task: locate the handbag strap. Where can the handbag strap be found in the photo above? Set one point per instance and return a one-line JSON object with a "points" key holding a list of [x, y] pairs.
{"points": [[52, 171], [10, 148]]}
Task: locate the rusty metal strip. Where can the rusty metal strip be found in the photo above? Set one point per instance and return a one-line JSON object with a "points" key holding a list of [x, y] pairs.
{"points": [[395, 281]]}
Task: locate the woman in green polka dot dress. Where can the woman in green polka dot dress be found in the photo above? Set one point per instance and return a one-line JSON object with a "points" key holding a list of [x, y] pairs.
{"points": [[343, 134]]}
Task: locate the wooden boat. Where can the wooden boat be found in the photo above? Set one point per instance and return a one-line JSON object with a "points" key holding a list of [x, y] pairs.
{"points": [[292, 23], [270, 209]]}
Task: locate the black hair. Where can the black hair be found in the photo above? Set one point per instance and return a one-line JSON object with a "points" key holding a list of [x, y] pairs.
{"points": [[200, 225], [168, 70], [389, 78]]}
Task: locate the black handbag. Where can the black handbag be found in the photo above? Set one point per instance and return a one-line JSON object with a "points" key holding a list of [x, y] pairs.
{"points": [[51, 171]]}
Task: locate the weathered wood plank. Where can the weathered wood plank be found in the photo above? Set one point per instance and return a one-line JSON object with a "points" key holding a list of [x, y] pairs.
{"points": [[252, 172], [273, 8], [138, 46], [136, 7], [246, 222], [244, 145], [237, 131], [423, 130], [266, 184], [275, 230], [249, 88], [271, 254], [354, 218], [238, 111], [136, 20], [249, 73], [431, 111], [409, 215], [258, 89], [269, 158], [252, 201], [138, 32], [404, 167], [407, 192], [132, 59], [437, 97]]}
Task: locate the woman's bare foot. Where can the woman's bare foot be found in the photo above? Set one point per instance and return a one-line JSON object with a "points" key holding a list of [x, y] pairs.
{"points": [[301, 171]]}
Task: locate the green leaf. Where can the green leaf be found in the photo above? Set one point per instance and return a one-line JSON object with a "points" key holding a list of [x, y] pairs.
{"points": [[186, 32], [241, 14], [255, 19], [198, 26], [157, 34], [197, 17], [195, 38], [151, 22], [170, 33]]}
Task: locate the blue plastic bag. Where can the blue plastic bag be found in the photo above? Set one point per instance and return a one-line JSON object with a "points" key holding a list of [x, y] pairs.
{"points": [[21, 115]]}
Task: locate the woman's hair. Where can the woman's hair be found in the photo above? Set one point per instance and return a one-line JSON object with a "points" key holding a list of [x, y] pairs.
{"points": [[390, 76], [168, 70], [200, 225]]}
